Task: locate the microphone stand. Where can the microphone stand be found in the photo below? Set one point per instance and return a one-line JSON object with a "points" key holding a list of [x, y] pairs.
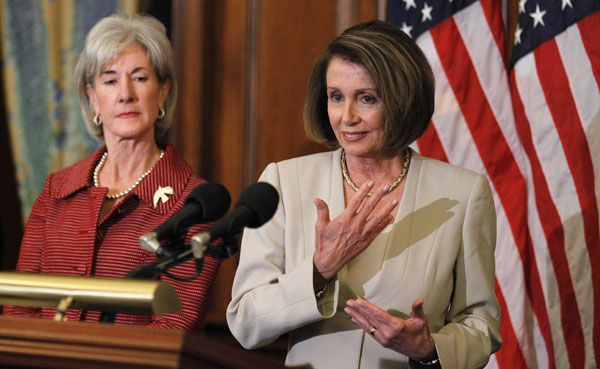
{"points": [[150, 271], [227, 249], [154, 269]]}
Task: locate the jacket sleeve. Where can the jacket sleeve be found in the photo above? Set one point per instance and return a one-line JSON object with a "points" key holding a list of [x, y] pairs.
{"points": [[272, 296], [472, 331], [31, 246]]}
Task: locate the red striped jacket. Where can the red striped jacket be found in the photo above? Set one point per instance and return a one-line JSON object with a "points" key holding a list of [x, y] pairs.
{"points": [[63, 235]]}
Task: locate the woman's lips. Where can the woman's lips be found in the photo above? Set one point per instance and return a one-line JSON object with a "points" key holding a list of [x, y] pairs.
{"points": [[128, 115], [353, 136]]}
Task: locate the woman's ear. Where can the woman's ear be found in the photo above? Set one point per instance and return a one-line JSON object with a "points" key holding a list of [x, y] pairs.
{"points": [[163, 93], [92, 96]]}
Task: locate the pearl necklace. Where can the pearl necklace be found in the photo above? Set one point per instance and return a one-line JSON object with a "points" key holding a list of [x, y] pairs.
{"points": [[392, 186], [122, 193]]}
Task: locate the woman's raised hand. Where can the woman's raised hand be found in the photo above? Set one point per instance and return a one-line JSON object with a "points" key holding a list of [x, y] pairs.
{"points": [[410, 337], [339, 240]]}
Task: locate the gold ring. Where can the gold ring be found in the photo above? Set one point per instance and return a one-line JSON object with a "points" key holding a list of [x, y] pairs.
{"points": [[372, 331]]}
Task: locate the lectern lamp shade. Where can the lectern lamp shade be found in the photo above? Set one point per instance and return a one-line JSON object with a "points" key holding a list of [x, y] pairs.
{"points": [[91, 293]]}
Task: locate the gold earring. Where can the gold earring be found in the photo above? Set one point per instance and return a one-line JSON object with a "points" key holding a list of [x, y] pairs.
{"points": [[161, 113], [97, 120]]}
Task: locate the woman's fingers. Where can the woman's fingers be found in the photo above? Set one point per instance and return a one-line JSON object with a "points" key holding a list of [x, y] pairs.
{"points": [[361, 208], [417, 309], [339, 240], [322, 212], [361, 318], [410, 337], [381, 218], [357, 318], [378, 220], [357, 199], [373, 200], [370, 314], [370, 318]]}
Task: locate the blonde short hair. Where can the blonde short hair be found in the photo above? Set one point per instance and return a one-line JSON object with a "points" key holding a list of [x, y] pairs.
{"points": [[105, 41]]}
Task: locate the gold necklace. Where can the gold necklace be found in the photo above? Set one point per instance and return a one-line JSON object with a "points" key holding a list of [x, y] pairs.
{"points": [[392, 186]]}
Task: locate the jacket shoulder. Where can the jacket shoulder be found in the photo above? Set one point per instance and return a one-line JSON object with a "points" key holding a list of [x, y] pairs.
{"points": [[439, 168], [311, 159], [309, 168]]}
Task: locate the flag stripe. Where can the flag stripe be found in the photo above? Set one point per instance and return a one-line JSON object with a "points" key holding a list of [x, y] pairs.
{"points": [[460, 148], [493, 15], [562, 107], [513, 359], [590, 29], [495, 154], [430, 145], [585, 90], [547, 146], [510, 356], [552, 225], [490, 69], [535, 132], [491, 72], [586, 95], [448, 122]]}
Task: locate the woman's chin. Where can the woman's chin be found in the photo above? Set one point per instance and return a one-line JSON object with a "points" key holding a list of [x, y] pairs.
{"points": [[130, 134], [359, 151]]}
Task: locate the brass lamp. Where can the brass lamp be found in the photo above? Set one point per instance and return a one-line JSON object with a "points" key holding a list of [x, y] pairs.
{"points": [[101, 294]]}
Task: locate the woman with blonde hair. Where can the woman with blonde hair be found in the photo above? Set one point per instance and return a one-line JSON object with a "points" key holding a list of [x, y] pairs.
{"points": [[89, 216]]}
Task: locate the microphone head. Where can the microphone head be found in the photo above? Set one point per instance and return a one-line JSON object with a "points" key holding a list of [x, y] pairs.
{"points": [[212, 198], [262, 199]]}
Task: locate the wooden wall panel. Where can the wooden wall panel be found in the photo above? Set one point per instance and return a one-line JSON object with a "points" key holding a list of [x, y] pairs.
{"points": [[243, 67], [369, 10], [223, 122], [291, 35], [187, 37], [225, 95], [209, 41]]}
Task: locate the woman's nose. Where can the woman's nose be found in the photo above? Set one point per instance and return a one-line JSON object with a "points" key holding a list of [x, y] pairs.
{"points": [[127, 92], [350, 116]]}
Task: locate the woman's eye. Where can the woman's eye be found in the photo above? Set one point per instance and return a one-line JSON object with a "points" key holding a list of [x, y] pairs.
{"points": [[140, 78], [368, 99], [335, 97], [109, 82]]}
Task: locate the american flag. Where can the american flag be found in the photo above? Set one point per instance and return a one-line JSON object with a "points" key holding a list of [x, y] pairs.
{"points": [[532, 125]]}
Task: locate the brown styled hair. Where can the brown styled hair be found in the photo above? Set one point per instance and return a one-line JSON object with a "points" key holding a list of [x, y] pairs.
{"points": [[402, 77]]}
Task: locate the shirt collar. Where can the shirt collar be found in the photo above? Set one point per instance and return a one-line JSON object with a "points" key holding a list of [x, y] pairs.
{"points": [[76, 177], [169, 177], [169, 172]]}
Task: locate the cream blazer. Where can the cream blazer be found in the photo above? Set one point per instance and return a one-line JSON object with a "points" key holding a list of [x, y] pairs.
{"points": [[441, 248]]}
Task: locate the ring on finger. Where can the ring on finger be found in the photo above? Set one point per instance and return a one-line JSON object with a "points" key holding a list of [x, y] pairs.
{"points": [[372, 331]]}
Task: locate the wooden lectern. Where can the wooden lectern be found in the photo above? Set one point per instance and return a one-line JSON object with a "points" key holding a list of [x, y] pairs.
{"points": [[40, 343]]}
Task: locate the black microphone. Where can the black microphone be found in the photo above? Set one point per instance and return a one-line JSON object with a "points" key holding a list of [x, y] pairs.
{"points": [[255, 207], [206, 203]]}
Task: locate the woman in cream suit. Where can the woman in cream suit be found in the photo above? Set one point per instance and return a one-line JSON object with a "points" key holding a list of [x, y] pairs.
{"points": [[377, 257]]}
